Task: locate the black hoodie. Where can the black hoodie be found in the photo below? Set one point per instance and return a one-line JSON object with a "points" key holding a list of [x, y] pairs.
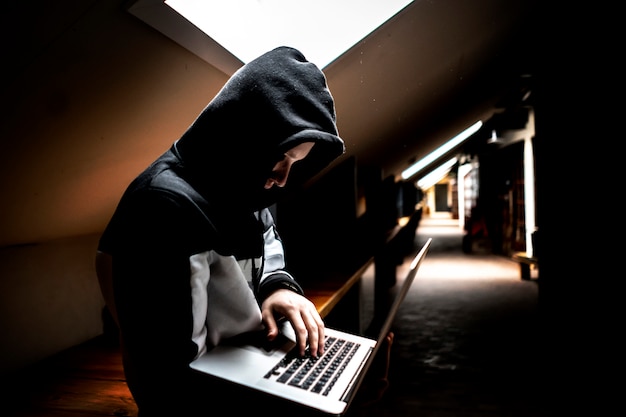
{"points": [[198, 214], [267, 107]]}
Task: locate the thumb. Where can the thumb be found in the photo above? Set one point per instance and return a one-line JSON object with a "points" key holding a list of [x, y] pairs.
{"points": [[270, 326]]}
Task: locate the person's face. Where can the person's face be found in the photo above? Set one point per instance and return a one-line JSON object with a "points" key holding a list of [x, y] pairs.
{"points": [[281, 170]]}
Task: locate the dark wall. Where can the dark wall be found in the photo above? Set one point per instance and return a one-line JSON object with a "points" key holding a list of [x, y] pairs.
{"points": [[317, 223], [324, 229], [574, 139]]}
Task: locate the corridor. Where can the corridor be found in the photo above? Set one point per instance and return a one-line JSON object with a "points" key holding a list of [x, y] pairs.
{"points": [[466, 340]]}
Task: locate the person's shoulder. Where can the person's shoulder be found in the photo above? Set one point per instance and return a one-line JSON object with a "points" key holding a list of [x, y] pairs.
{"points": [[164, 174]]}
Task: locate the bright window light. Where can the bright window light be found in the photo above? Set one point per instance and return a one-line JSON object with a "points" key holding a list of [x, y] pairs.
{"points": [[321, 29], [433, 177], [440, 151]]}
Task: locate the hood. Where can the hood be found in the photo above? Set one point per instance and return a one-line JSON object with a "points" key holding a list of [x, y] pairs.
{"points": [[268, 106]]}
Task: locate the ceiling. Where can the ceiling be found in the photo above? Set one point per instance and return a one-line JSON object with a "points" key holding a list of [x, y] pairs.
{"points": [[249, 28], [94, 94]]}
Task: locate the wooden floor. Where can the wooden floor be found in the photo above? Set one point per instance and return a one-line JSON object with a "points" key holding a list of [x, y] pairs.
{"points": [[87, 380]]}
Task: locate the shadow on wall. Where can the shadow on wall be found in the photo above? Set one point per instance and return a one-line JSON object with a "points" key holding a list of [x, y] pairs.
{"points": [[50, 299]]}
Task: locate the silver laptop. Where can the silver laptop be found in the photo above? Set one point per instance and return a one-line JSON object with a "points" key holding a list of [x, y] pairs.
{"points": [[327, 384]]}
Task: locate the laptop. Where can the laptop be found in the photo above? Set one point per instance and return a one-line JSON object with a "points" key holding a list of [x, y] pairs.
{"points": [[328, 383]]}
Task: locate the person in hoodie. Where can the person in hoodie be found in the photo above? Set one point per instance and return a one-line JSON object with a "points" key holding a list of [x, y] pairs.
{"points": [[191, 254]]}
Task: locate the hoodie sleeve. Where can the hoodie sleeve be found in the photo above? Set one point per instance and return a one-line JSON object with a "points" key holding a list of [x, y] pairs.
{"points": [[273, 274]]}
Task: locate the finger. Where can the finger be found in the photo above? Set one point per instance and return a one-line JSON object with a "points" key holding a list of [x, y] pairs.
{"points": [[312, 330], [321, 338], [315, 328], [313, 341], [270, 325], [301, 333]]}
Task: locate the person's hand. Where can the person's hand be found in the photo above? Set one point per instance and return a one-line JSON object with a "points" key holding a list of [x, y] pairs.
{"points": [[301, 313]]}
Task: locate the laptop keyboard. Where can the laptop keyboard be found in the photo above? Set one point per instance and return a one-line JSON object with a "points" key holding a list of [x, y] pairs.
{"points": [[316, 375]]}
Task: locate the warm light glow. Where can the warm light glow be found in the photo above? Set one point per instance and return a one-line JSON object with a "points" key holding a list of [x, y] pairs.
{"points": [[403, 221], [322, 29], [437, 153]]}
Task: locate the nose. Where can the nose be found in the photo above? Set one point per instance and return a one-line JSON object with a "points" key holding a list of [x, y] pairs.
{"points": [[280, 173], [280, 179]]}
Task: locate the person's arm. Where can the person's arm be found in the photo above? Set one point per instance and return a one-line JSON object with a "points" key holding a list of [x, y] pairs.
{"points": [[282, 296], [153, 300]]}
